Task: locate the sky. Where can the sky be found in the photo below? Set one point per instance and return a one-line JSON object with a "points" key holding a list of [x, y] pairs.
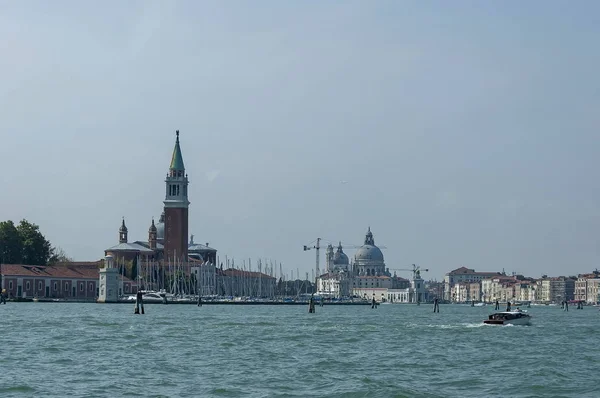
{"points": [[463, 133]]}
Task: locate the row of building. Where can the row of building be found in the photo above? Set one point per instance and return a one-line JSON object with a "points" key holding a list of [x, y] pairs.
{"points": [[465, 285], [82, 281]]}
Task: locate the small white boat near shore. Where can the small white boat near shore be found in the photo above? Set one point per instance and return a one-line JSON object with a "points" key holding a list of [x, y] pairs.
{"points": [[509, 318]]}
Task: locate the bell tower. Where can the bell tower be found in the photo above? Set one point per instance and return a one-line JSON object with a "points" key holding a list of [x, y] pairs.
{"points": [[152, 232], [123, 232], [176, 208]]}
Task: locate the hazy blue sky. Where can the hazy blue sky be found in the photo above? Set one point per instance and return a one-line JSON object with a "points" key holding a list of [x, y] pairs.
{"points": [[468, 132]]}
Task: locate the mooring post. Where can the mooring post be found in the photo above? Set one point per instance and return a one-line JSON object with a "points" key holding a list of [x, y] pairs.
{"points": [[311, 304], [139, 303]]}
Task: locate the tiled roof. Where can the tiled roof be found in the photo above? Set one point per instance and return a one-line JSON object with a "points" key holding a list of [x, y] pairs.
{"points": [[64, 271], [199, 247], [59, 271], [130, 247], [465, 270]]}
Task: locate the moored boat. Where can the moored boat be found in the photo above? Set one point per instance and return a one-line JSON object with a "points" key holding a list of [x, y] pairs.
{"points": [[509, 318]]}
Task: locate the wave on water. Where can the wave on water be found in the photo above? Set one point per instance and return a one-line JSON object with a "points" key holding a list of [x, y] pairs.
{"points": [[447, 326]]}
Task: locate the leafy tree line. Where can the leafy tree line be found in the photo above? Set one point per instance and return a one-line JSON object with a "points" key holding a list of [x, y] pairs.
{"points": [[25, 244]]}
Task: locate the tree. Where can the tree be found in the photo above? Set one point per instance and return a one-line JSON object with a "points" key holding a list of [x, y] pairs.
{"points": [[59, 256], [36, 249], [11, 246]]}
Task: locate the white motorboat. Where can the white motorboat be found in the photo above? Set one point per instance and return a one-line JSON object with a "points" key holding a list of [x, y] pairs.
{"points": [[479, 304], [509, 318], [152, 297]]}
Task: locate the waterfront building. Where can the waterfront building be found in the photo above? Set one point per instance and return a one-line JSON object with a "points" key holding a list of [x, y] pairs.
{"points": [[474, 291], [334, 285], [494, 288], [561, 288], [464, 292], [524, 291], [109, 282], [367, 276], [581, 287], [593, 290], [464, 274], [546, 290], [167, 241], [70, 281], [417, 291]]}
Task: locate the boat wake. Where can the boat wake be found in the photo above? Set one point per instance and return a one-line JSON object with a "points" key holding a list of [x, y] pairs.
{"points": [[448, 326]]}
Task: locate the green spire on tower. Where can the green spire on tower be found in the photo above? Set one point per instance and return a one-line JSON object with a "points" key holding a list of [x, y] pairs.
{"points": [[177, 159]]}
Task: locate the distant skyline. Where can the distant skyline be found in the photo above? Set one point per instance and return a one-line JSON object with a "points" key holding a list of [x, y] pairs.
{"points": [[463, 133]]}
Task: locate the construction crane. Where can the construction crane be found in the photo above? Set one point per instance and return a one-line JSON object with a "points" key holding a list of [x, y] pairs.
{"points": [[415, 270], [318, 247]]}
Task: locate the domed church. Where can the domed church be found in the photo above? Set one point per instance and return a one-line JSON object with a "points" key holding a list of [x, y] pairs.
{"points": [[368, 260], [336, 261]]}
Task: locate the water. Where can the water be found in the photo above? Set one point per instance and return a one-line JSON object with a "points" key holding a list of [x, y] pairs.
{"points": [[95, 350]]}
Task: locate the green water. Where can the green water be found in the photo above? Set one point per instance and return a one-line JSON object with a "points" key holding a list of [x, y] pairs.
{"points": [[95, 350]]}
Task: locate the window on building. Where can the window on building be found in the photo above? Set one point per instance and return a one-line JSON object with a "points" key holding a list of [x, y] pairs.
{"points": [[91, 287], [55, 286], [27, 286], [81, 287], [10, 285], [40, 285], [66, 287]]}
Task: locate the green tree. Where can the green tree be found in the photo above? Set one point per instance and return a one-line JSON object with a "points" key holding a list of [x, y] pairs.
{"points": [[36, 249], [11, 246], [59, 256]]}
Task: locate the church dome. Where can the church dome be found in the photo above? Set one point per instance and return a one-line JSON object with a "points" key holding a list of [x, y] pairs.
{"points": [[369, 253], [160, 227], [340, 258]]}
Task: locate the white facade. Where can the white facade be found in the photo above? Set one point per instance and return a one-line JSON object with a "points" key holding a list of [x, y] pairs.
{"points": [[416, 293], [365, 282], [464, 274], [592, 290], [109, 282], [334, 285], [380, 294]]}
